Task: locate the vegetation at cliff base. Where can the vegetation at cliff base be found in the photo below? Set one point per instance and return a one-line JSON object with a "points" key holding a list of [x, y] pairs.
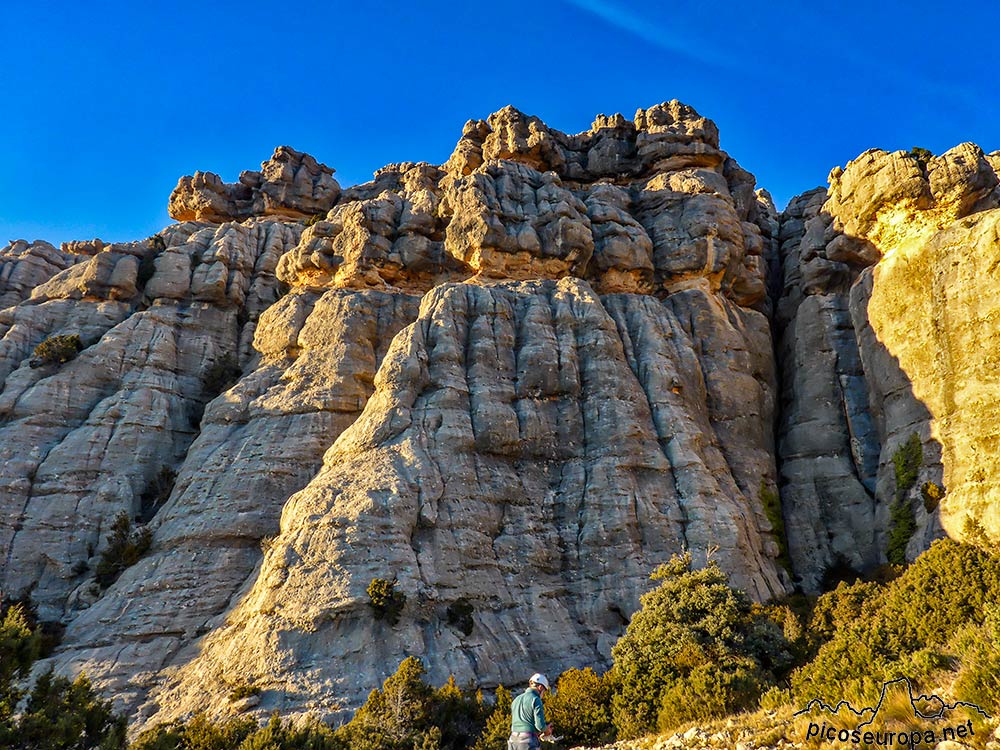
{"points": [[55, 713], [696, 649], [922, 624]]}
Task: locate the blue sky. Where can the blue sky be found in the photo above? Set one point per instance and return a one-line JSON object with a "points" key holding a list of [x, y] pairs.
{"points": [[108, 103]]}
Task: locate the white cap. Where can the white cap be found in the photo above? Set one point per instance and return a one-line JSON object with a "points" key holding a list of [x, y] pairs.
{"points": [[539, 679]]}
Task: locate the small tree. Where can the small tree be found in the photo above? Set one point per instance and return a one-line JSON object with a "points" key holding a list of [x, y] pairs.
{"points": [[58, 714], [386, 602], [64, 715], [580, 708], [19, 647], [693, 636], [124, 549], [459, 717], [395, 716], [497, 729]]}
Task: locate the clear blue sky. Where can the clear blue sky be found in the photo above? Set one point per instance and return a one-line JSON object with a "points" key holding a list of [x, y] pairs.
{"points": [[108, 103]]}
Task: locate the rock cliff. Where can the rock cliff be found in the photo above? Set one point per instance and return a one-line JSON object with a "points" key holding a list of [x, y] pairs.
{"points": [[885, 319], [512, 384]]}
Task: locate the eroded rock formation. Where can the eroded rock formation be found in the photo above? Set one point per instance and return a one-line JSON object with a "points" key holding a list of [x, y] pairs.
{"points": [[514, 382], [875, 299]]}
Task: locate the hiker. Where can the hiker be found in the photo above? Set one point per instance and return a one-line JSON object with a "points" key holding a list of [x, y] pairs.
{"points": [[527, 721]]}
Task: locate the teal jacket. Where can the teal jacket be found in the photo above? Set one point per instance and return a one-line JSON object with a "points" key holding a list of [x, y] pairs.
{"points": [[527, 714]]}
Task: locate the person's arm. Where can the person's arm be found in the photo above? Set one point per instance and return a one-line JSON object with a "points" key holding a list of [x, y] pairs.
{"points": [[540, 723]]}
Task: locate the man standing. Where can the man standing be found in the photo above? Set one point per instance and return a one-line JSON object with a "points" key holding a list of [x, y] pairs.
{"points": [[528, 722]]}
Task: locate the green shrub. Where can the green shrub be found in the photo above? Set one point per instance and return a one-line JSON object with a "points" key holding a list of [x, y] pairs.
{"points": [[836, 610], [922, 155], [711, 690], [979, 649], [124, 549], [198, 733], [281, 735], [771, 501], [56, 349], [395, 716], [932, 495], [902, 523], [58, 714], [48, 632], [459, 615], [497, 730], [385, 601], [64, 715], [906, 463], [457, 718], [693, 633], [907, 625], [973, 532], [580, 708]]}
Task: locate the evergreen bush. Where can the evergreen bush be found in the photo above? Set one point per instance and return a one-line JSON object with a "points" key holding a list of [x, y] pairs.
{"points": [[693, 635], [580, 708], [124, 549], [386, 602], [56, 350]]}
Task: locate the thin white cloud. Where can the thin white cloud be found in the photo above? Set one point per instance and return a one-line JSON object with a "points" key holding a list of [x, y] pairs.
{"points": [[624, 19]]}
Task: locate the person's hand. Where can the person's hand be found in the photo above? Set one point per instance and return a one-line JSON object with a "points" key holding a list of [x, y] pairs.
{"points": [[549, 730]]}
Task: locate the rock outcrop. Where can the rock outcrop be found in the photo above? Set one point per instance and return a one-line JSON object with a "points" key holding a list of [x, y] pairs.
{"points": [[864, 347], [529, 451], [512, 384], [290, 184], [586, 388], [81, 442]]}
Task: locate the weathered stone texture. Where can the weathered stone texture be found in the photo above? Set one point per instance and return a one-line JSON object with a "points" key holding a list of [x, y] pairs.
{"points": [[81, 442], [849, 399], [290, 184], [521, 378], [532, 450]]}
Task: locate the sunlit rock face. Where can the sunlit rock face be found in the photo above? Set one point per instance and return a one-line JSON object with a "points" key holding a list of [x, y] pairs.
{"points": [[885, 318], [519, 380]]}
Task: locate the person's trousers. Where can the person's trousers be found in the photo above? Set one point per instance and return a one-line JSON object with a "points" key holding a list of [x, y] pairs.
{"points": [[523, 741]]}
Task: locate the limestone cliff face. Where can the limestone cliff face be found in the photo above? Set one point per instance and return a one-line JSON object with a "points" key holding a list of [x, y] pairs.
{"points": [[81, 442], [514, 382], [528, 450], [518, 380], [882, 314]]}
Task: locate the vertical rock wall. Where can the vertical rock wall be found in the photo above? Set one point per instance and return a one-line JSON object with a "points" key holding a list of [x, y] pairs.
{"points": [[872, 297]]}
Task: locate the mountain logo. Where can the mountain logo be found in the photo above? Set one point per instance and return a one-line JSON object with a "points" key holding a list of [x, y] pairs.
{"points": [[925, 707], [930, 707]]}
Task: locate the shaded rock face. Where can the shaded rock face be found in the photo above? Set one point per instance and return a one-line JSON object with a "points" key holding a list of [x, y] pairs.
{"points": [[865, 352]]}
